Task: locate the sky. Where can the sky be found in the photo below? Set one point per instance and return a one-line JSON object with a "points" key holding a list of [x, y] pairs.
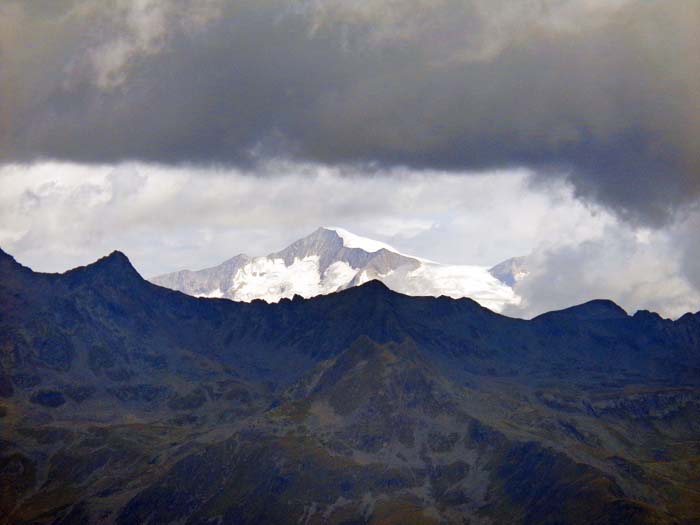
{"points": [[183, 132]]}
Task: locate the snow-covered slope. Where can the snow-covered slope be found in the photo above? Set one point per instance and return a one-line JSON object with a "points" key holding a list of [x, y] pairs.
{"points": [[332, 259]]}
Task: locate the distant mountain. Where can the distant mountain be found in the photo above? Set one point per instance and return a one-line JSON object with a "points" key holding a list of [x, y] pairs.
{"points": [[510, 271], [333, 259], [124, 402]]}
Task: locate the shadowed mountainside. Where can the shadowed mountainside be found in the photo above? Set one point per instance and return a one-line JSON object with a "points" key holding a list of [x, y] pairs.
{"points": [[124, 402]]}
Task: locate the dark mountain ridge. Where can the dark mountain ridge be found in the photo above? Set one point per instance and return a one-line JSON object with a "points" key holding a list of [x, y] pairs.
{"points": [[103, 371]]}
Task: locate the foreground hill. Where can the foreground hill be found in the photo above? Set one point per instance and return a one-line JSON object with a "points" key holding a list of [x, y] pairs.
{"points": [[125, 402], [333, 259]]}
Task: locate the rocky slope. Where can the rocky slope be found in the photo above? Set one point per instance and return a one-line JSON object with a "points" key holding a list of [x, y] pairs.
{"points": [[125, 402]]}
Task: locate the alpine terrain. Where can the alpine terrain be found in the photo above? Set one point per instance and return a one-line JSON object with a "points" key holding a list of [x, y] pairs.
{"points": [[333, 259], [123, 402]]}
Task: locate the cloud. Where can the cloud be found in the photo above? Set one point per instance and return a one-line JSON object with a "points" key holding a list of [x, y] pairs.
{"points": [[603, 94], [166, 217], [638, 269]]}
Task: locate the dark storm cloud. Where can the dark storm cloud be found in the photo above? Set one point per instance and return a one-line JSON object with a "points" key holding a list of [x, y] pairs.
{"points": [[606, 93]]}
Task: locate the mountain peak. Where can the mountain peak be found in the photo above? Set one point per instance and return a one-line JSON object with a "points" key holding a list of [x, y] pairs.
{"points": [[350, 240], [511, 270], [116, 259], [327, 241], [115, 267], [595, 310], [330, 245], [375, 286]]}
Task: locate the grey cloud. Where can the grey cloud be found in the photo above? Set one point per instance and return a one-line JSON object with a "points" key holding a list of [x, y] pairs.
{"points": [[603, 93]]}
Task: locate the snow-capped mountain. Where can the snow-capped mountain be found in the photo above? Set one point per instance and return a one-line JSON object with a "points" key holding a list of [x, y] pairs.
{"points": [[332, 259], [511, 270]]}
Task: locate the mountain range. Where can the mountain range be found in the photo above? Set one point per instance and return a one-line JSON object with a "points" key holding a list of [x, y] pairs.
{"points": [[333, 259], [125, 402]]}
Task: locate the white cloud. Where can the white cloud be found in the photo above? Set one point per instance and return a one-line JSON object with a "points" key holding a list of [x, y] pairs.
{"points": [[637, 270]]}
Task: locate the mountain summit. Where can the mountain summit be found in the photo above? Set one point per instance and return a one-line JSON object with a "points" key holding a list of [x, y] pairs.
{"points": [[332, 259]]}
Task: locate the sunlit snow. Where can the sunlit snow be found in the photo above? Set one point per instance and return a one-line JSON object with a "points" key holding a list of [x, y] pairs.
{"points": [[350, 240]]}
